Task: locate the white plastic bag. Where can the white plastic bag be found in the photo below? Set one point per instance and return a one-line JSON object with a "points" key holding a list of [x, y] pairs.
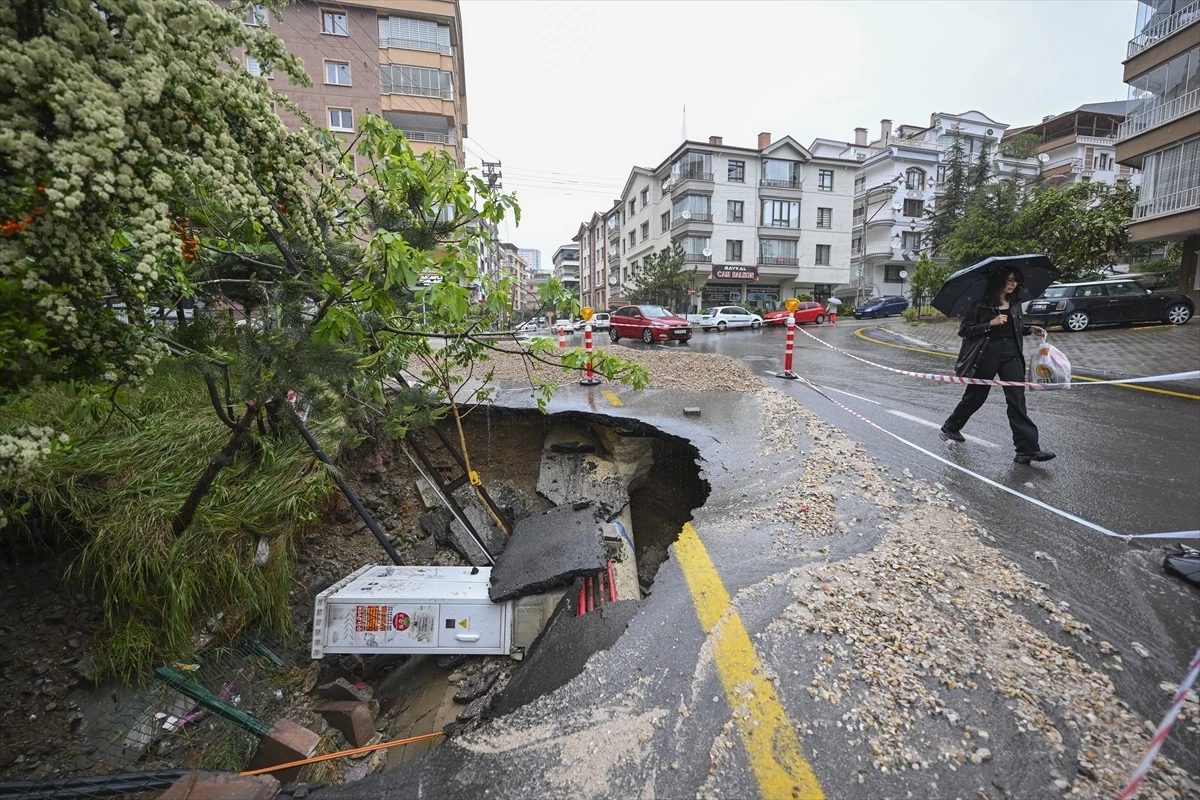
{"points": [[1049, 365]]}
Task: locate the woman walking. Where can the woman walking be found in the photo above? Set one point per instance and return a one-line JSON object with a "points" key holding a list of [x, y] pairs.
{"points": [[991, 334]]}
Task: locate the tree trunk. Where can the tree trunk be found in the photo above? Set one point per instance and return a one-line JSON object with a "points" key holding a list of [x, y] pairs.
{"points": [[241, 434]]}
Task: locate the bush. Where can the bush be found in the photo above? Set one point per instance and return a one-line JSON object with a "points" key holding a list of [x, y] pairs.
{"points": [[909, 314], [112, 496]]}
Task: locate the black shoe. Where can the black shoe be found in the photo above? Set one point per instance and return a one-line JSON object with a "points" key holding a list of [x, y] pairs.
{"points": [[1038, 455], [953, 436]]}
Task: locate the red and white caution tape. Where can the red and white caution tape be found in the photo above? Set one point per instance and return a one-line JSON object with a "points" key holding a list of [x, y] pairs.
{"points": [[933, 376], [1040, 504], [1164, 728]]}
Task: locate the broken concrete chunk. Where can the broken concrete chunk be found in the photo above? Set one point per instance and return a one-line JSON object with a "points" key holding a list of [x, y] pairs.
{"points": [[549, 550], [353, 719], [284, 743], [477, 687], [435, 524], [460, 539], [429, 497], [691, 411], [566, 478], [222, 786], [342, 689]]}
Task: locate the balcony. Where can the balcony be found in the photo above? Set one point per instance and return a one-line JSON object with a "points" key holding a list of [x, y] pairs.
{"points": [[614, 259], [772, 183], [879, 249], [778, 261], [614, 234], [389, 87], [697, 258], [430, 137], [683, 178], [1174, 203], [777, 231], [679, 222], [1164, 28], [416, 44], [1160, 114]]}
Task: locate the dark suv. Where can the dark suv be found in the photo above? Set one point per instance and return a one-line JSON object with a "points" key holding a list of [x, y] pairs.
{"points": [[1078, 306]]}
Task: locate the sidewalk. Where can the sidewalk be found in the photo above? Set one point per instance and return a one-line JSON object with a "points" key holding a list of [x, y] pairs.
{"points": [[1107, 353]]}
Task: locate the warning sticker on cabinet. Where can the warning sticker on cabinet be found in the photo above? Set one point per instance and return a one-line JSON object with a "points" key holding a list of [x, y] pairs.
{"points": [[371, 618]]}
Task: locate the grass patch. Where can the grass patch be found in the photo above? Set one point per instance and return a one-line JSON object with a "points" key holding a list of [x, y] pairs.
{"points": [[114, 494]]}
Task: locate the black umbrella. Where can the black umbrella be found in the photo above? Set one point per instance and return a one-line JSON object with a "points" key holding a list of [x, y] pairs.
{"points": [[965, 288]]}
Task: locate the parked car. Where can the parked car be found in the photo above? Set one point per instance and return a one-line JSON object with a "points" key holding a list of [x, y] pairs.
{"points": [[1078, 306], [881, 307], [600, 321], [648, 323], [723, 317], [808, 312], [531, 326]]}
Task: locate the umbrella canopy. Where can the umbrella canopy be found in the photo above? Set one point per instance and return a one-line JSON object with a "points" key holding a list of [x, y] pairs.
{"points": [[965, 288], [833, 301]]}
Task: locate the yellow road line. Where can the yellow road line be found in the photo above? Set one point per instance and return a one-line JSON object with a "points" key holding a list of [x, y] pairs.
{"points": [[858, 332], [612, 398], [776, 756]]}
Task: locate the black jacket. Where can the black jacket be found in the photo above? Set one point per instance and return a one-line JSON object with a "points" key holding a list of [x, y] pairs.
{"points": [[974, 332]]}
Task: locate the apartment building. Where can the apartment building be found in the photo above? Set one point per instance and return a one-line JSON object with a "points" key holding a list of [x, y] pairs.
{"points": [[531, 256], [566, 266], [757, 224], [898, 181], [1161, 132], [1079, 146], [399, 58], [592, 239]]}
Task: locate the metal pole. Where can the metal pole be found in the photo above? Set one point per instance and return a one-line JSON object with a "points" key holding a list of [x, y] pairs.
{"points": [[590, 379]]}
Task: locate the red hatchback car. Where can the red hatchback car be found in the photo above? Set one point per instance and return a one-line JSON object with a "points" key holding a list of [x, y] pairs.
{"points": [[806, 313], [648, 323]]}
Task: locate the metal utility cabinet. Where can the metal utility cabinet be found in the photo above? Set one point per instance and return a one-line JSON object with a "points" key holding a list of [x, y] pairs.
{"points": [[390, 609]]}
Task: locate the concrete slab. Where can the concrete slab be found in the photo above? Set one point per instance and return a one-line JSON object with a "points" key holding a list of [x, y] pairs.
{"points": [[561, 652], [573, 477], [352, 718], [221, 786], [548, 550], [481, 521], [284, 743]]}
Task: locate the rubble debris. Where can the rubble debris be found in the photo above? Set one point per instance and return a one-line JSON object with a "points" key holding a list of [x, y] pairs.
{"points": [[571, 477], [691, 411], [343, 690], [461, 540], [549, 550], [221, 786], [352, 718], [284, 743]]}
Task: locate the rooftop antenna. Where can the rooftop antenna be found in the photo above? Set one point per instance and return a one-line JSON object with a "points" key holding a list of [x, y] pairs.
{"points": [[683, 130], [492, 174]]}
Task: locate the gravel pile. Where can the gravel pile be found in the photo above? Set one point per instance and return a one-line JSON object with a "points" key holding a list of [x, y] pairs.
{"points": [[669, 369]]}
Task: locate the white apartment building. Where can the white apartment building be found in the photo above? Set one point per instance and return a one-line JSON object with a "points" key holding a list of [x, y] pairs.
{"points": [[1080, 146], [531, 256], [757, 225], [898, 181], [592, 238], [566, 265]]}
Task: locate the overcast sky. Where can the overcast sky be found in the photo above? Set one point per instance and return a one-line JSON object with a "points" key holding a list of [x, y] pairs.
{"points": [[570, 94]]}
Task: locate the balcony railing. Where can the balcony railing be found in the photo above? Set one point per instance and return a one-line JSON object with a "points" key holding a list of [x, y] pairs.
{"points": [[387, 87], [614, 259], [1162, 113], [691, 175], [790, 183], [1076, 166], [1161, 30], [696, 258], [779, 261], [427, 136], [416, 44], [1173, 203], [692, 217], [879, 249], [774, 223]]}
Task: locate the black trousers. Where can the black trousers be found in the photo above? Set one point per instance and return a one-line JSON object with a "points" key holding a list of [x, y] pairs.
{"points": [[1001, 359]]}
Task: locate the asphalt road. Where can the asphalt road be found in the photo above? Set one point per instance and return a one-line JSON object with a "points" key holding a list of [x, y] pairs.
{"points": [[1127, 461]]}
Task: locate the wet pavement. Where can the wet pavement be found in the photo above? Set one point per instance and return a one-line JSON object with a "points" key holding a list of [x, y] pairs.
{"points": [[717, 657]]}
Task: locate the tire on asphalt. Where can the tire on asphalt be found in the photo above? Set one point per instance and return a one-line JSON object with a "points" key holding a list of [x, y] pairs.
{"points": [[612, 334], [647, 336], [755, 325], [721, 326], [1076, 321], [820, 320]]}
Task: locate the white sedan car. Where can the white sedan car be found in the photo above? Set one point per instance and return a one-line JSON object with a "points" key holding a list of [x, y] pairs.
{"points": [[599, 322], [724, 317]]}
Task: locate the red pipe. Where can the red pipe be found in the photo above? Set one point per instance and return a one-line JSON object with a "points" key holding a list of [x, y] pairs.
{"points": [[612, 583], [579, 608]]}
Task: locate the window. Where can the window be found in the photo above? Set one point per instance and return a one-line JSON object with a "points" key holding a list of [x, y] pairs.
{"points": [[780, 214], [891, 273], [256, 16], [415, 81], [333, 23], [633, 206], [736, 211], [337, 73], [645, 197], [737, 172], [941, 174], [776, 172], [914, 208], [257, 68], [822, 259], [856, 245], [733, 249], [696, 166], [824, 217], [911, 240], [696, 206], [341, 119], [414, 34], [825, 180], [860, 184], [645, 231], [914, 178], [665, 221], [632, 238], [784, 252], [633, 265]]}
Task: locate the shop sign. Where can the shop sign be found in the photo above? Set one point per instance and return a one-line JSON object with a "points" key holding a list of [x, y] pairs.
{"points": [[749, 273]]}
